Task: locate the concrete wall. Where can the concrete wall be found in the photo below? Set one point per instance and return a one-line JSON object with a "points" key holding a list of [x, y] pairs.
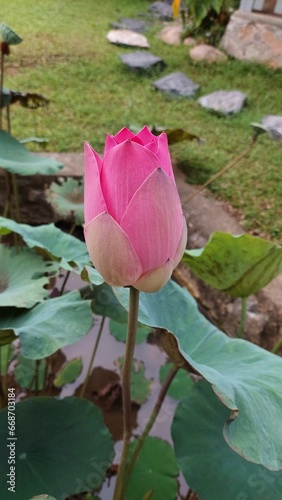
{"points": [[274, 6]]}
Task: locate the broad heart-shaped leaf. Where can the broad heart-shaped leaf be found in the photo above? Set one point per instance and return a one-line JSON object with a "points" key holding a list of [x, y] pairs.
{"points": [[244, 376], [140, 385], [43, 497], [119, 331], [48, 326], [105, 303], [15, 158], [238, 265], [63, 447], [209, 465], [52, 241], [91, 275], [181, 384], [175, 135], [155, 470], [67, 199], [22, 277], [258, 128], [69, 373], [9, 36]]}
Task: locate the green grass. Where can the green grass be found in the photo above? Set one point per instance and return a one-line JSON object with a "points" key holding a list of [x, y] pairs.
{"points": [[65, 56]]}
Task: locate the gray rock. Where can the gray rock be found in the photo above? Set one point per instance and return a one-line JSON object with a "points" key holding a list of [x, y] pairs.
{"points": [[142, 61], [128, 38], [254, 37], [223, 101], [161, 10], [273, 125], [130, 24], [177, 84]]}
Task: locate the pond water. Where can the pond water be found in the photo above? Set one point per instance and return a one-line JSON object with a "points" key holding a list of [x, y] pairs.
{"points": [[105, 379]]}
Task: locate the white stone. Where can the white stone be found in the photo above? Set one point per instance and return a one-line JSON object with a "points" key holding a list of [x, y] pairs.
{"points": [[129, 38]]}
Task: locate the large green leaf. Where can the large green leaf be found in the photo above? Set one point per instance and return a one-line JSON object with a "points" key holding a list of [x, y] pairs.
{"points": [[63, 447], [22, 277], [15, 158], [48, 326], [246, 378], [140, 385], [198, 11], [43, 497], [182, 382], [155, 470], [238, 265], [105, 303], [119, 331], [202, 452], [52, 241], [67, 199], [8, 35], [90, 274]]}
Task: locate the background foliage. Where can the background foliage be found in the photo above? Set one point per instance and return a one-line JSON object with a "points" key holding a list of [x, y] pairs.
{"points": [[65, 56]]}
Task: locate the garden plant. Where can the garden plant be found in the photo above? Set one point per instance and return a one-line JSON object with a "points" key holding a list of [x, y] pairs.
{"points": [[226, 430]]}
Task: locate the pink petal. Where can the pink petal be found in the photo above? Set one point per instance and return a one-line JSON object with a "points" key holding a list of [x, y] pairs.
{"points": [[113, 140], [123, 135], [182, 244], [111, 251], [160, 149], [156, 279], [94, 202], [125, 168], [145, 135], [110, 143], [153, 220]]}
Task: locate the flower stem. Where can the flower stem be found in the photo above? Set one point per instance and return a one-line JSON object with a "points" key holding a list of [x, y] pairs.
{"points": [[14, 182], [67, 275], [1, 88], [141, 440], [224, 169], [82, 392], [240, 331], [276, 348], [126, 396]]}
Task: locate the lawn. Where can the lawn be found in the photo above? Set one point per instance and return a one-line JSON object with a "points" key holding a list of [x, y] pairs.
{"points": [[66, 57]]}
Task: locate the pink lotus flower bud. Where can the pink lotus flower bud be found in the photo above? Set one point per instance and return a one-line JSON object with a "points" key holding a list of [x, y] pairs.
{"points": [[135, 230]]}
